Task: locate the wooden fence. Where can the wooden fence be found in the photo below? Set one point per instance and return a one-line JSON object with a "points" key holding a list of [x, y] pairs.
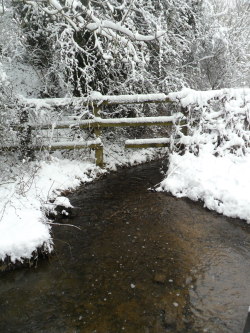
{"points": [[96, 102]]}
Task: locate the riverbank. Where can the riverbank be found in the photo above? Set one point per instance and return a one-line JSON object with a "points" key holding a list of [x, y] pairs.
{"points": [[25, 230], [221, 183]]}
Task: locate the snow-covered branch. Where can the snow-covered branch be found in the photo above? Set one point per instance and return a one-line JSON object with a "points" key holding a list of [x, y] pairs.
{"points": [[81, 18]]}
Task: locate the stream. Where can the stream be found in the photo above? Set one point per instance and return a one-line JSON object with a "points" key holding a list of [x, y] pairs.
{"points": [[143, 262]]}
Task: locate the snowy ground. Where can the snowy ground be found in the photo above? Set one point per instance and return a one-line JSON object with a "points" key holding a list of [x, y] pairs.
{"points": [[222, 183], [23, 204]]}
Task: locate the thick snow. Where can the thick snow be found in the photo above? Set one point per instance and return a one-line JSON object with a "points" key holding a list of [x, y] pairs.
{"points": [[215, 167], [189, 96], [221, 182], [105, 24], [3, 75], [148, 120], [74, 144], [23, 225]]}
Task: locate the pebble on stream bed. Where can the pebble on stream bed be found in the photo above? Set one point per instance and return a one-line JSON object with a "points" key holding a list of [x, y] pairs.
{"points": [[159, 278]]}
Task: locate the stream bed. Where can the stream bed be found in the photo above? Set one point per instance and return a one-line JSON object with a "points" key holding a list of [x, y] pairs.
{"points": [[143, 262]]}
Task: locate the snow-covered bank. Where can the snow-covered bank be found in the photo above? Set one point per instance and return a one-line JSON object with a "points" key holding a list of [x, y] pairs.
{"points": [[215, 167], [223, 183], [24, 227]]}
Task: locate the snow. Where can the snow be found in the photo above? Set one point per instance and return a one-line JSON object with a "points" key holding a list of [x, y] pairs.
{"points": [[62, 201], [105, 24], [23, 225], [161, 119], [214, 171], [189, 96], [96, 97], [74, 144], [222, 183], [3, 76], [109, 29], [139, 98], [147, 141], [215, 165]]}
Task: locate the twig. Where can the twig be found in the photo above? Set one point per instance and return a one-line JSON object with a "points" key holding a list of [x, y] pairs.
{"points": [[64, 224]]}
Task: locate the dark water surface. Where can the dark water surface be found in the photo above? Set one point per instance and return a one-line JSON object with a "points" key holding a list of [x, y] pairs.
{"points": [[143, 262]]}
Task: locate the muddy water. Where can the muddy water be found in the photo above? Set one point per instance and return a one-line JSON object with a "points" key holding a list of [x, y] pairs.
{"points": [[143, 262]]}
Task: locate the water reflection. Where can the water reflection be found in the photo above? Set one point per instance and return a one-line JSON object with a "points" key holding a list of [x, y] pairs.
{"points": [[143, 263]]}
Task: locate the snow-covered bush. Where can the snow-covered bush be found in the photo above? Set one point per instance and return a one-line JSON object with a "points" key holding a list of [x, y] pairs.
{"points": [[216, 118], [214, 167]]}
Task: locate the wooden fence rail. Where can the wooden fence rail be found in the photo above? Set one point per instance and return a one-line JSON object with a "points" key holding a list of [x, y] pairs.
{"points": [[98, 122], [97, 99]]}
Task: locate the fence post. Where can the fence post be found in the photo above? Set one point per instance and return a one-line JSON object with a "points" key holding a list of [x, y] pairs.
{"points": [[98, 132], [26, 149], [184, 111]]}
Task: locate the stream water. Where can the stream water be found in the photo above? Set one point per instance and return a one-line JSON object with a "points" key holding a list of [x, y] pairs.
{"points": [[143, 262]]}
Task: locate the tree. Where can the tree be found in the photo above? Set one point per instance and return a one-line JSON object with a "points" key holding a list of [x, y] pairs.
{"points": [[221, 51], [110, 46]]}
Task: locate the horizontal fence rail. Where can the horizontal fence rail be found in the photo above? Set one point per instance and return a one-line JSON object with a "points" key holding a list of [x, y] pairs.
{"points": [[98, 122], [147, 143], [97, 99], [95, 144]]}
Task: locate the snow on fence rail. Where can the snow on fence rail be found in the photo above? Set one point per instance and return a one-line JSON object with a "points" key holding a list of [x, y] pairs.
{"points": [[72, 145], [96, 99], [188, 97], [146, 143]]}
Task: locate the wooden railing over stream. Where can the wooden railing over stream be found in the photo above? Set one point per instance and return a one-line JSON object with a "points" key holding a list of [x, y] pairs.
{"points": [[96, 102]]}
